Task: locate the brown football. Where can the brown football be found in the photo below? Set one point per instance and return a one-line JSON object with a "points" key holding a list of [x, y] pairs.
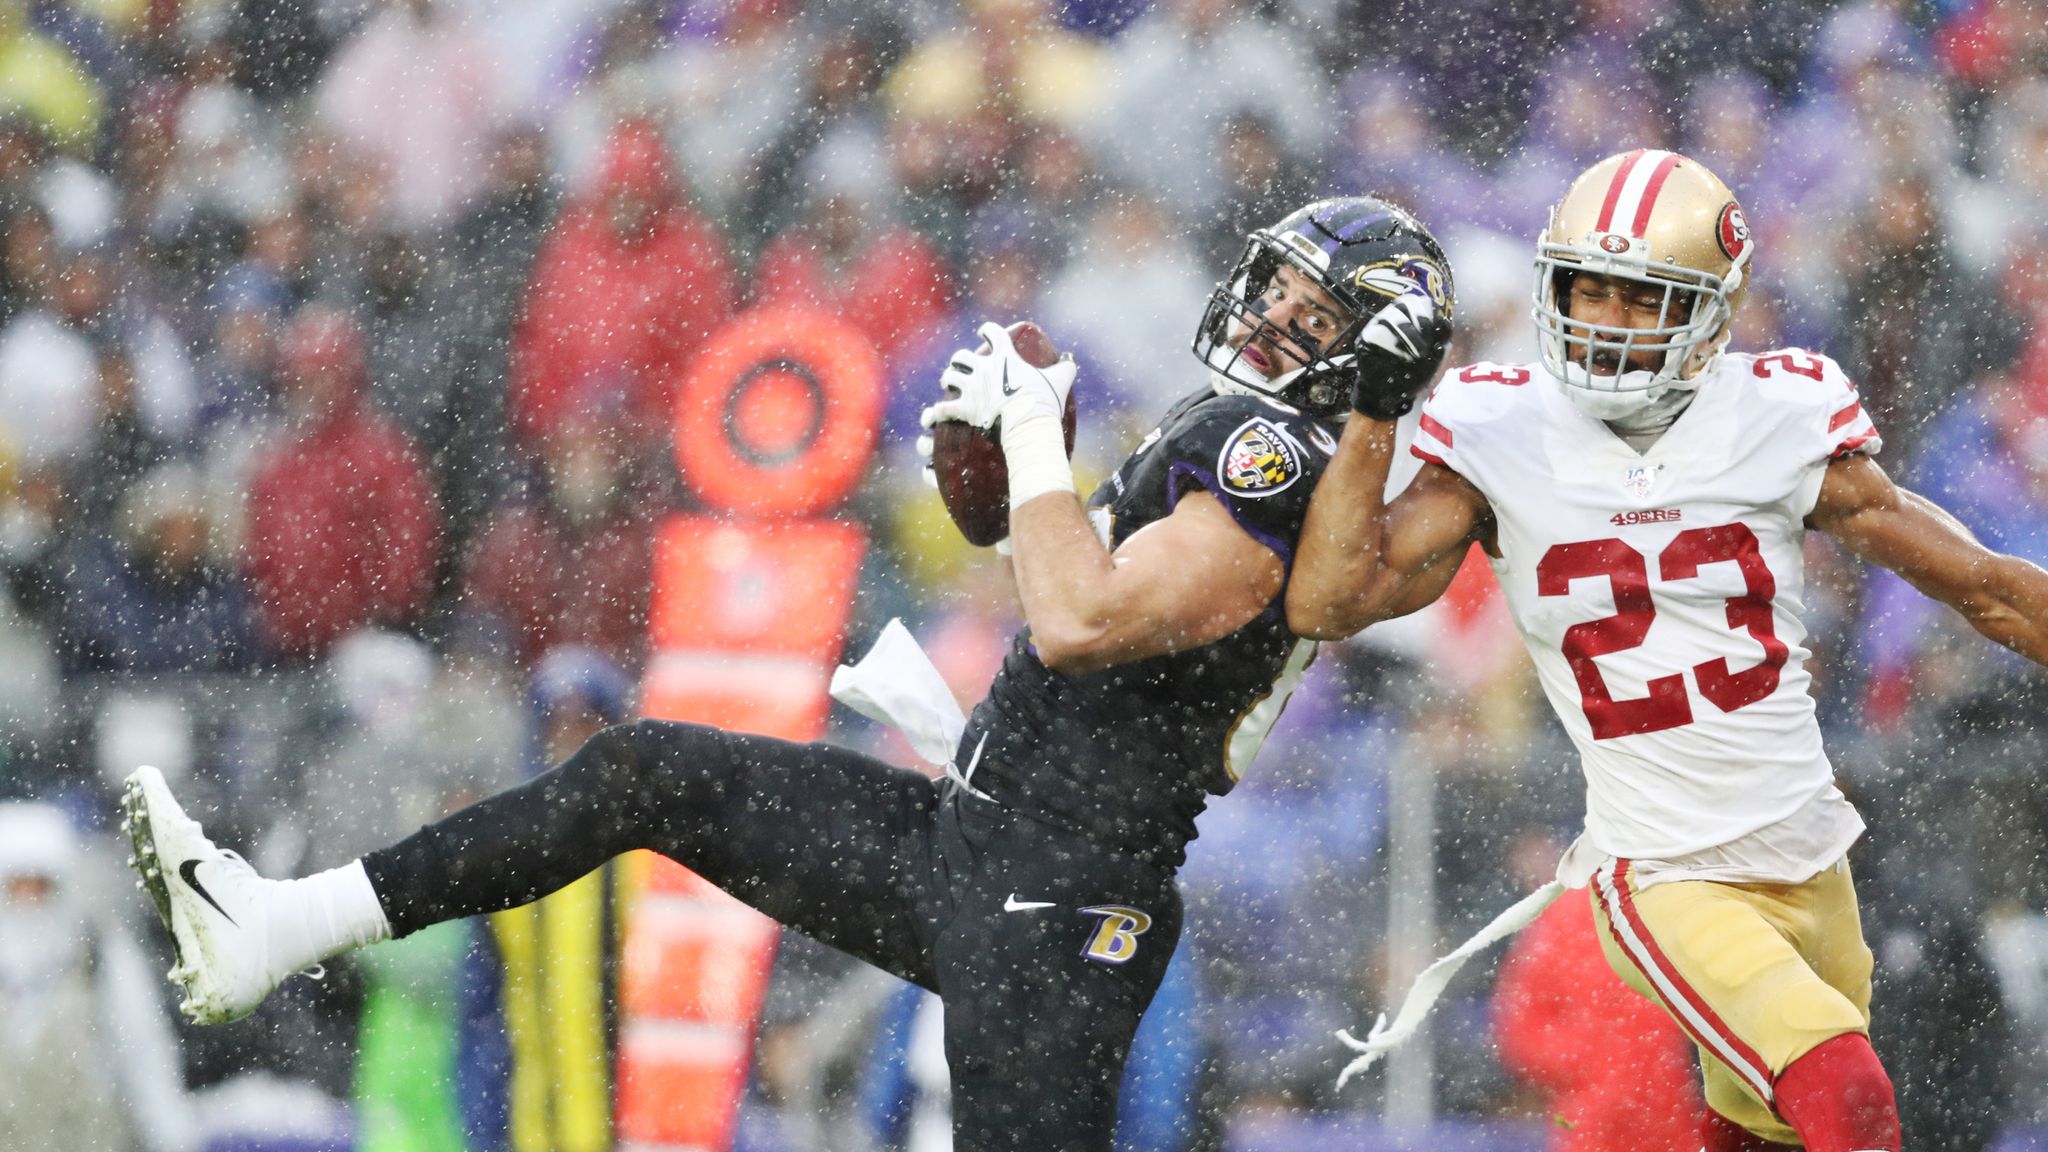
{"points": [[974, 478]]}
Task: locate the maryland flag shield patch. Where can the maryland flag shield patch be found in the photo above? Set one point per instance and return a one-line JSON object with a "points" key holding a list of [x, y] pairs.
{"points": [[1259, 459]]}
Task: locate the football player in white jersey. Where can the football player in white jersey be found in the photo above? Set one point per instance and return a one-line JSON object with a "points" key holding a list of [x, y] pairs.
{"points": [[1641, 493]]}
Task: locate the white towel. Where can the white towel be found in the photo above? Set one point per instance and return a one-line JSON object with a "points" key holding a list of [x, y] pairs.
{"points": [[896, 684]]}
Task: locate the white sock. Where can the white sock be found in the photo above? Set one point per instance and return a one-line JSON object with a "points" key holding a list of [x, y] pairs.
{"points": [[323, 914]]}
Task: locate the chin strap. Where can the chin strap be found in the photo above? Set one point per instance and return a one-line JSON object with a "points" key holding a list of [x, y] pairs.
{"points": [[1222, 358], [1326, 408], [1663, 410], [1645, 409]]}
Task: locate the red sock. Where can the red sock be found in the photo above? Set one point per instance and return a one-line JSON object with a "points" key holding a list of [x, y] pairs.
{"points": [[1838, 1098], [1720, 1134]]}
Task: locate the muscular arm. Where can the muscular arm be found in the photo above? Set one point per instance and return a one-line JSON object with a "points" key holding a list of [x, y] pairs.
{"points": [[2003, 597], [1178, 583], [1363, 560]]}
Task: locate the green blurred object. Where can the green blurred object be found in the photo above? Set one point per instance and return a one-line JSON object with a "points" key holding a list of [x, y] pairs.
{"points": [[405, 1068]]}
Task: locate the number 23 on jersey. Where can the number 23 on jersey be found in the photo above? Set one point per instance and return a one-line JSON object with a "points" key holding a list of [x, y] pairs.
{"points": [[1669, 704]]}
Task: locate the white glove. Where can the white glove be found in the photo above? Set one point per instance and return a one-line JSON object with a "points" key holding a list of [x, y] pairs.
{"points": [[1000, 385]]}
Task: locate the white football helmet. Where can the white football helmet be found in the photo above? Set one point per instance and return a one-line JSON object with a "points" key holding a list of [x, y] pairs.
{"points": [[1657, 218]]}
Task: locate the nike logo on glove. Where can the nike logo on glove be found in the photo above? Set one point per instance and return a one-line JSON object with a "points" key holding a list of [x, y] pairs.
{"points": [[1009, 389], [1011, 905], [1397, 329], [189, 873]]}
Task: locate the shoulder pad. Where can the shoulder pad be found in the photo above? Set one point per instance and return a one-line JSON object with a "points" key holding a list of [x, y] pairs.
{"points": [[1470, 396], [1793, 372], [1478, 393], [1816, 387], [1254, 447], [1490, 373]]}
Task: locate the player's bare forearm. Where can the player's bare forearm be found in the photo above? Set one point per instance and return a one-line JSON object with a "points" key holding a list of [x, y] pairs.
{"points": [[1363, 560], [1338, 575], [1062, 569], [1181, 582], [2003, 597], [2014, 610]]}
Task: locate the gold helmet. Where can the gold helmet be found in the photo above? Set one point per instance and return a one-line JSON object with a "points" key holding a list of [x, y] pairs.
{"points": [[1661, 219]]}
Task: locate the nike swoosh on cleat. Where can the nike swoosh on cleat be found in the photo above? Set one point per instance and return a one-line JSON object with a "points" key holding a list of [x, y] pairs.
{"points": [[188, 872], [1015, 905]]}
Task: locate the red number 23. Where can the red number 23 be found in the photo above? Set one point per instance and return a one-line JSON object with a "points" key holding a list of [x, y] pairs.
{"points": [[1627, 571]]}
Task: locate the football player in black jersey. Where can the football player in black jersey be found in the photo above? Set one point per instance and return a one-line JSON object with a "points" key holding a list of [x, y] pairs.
{"points": [[1035, 894]]}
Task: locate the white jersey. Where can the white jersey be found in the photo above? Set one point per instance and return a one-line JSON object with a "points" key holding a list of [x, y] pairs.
{"points": [[1659, 594]]}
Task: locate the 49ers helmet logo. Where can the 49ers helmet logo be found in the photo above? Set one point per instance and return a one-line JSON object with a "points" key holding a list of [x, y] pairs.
{"points": [[1733, 231]]}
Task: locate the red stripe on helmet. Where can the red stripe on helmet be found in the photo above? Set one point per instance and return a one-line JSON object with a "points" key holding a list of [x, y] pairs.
{"points": [[1628, 163], [1650, 191]]}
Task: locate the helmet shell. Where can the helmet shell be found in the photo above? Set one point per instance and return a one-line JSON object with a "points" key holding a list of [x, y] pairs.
{"points": [[1655, 217], [1361, 250]]}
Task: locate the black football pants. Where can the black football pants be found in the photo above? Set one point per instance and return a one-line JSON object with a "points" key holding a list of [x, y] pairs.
{"points": [[1040, 1002]]}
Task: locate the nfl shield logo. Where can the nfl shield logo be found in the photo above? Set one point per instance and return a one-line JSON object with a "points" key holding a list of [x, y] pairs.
{"points": [[1638, 481]]}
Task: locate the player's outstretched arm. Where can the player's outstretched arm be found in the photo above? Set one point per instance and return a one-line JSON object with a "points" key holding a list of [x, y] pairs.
{"points": [[1178, 583], [2003, 597], [1363, 560]]}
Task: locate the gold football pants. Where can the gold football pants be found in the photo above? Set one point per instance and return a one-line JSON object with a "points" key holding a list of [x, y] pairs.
{"points": [[1757, 974]]}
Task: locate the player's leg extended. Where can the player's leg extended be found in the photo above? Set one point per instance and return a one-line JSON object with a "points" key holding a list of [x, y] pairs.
{"points": [[1051, 953], [1762, 977], [823, 839]]}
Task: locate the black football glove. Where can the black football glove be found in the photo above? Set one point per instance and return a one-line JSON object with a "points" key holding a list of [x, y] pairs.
{"points": [[1399, 353]]}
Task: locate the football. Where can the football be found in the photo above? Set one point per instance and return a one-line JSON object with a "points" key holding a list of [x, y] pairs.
{"points": [[973, 476]]}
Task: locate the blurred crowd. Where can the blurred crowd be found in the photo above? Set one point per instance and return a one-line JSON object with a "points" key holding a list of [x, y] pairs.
{"points": [[338, 342]]}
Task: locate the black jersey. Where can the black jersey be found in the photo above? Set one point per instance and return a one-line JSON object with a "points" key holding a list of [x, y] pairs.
{"points": [[1129, 755]]}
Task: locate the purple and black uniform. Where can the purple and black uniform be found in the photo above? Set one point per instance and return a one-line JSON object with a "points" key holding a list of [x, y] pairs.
{"points": [[1039, 901], [1129, 756]]}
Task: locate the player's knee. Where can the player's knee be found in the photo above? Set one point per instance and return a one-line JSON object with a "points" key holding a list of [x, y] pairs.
{"points": [[615, 748], [1838, 1098], [644, 760], [604, 765]]}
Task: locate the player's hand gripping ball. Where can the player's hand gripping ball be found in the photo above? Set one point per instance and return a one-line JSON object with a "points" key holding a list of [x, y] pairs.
{"points": [[965, 445]]}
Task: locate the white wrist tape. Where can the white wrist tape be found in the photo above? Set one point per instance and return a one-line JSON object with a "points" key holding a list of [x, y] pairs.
{"points": [[1036, 450]]}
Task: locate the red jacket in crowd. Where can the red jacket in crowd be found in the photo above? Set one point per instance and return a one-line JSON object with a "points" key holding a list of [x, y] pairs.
{"points": [[893, 286], [555, 582], [629, 281], [1618, 1072], [342, 527]]}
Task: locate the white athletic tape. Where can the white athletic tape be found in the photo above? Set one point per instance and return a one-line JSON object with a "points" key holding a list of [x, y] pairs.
{"points": [[1036, 452]]}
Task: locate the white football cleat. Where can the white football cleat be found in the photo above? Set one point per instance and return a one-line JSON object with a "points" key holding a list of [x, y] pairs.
{"points": [[211, 901]]}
